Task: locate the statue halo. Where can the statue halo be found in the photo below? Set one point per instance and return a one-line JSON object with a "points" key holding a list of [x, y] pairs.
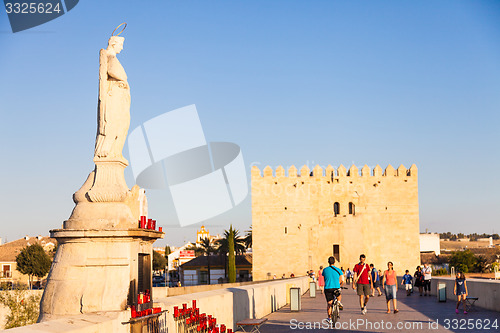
{"points": [[113, 34]]}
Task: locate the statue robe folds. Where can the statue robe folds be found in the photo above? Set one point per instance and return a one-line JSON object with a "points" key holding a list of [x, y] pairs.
{"points": [[114, 109]]}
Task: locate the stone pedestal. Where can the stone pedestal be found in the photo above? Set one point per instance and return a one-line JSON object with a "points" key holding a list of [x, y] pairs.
{"points": [[95, 270]]}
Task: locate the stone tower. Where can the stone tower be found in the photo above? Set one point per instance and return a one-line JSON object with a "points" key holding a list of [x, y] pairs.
{"points": [[301, 219]]}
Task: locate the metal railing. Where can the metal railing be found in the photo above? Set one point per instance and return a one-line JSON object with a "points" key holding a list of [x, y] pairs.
{"points": [[6, 274]]}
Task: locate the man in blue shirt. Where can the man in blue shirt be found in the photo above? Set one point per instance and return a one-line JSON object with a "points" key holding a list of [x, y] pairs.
{"points": [[333, 280], [376, 280]]}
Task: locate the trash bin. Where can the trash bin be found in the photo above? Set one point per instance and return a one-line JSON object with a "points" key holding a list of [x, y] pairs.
{"points": [[294, 299], [312, 289], [441, 292]]}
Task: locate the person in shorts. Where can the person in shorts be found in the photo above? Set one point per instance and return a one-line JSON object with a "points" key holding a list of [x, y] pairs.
{"points": [[460, 289], [407, 278], [376, 280], [391, 287], [334, 278], [362, 282]]}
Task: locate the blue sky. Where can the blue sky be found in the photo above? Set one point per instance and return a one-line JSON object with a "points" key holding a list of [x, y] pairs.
{"points": [[291, 82]]}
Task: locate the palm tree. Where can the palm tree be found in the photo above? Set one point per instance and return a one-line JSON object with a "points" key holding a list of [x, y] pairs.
{"points": [[248, 238], [207, 246], [223, 246], [239, 243], [198, 251]]}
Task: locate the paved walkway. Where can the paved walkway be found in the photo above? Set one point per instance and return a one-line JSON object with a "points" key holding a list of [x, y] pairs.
{"points": [[416, 314]]}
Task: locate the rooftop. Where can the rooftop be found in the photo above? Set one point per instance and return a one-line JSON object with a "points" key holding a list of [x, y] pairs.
{"points": [[9, 251]]}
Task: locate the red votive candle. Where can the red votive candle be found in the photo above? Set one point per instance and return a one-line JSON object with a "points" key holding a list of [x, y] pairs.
{"points": [[176, 311], [133, 312], [160, 229], [154, 224], [194, 304]]}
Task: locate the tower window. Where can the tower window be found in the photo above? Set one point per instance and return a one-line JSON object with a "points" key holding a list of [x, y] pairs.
{"points": [[352, 208], [286, 229], [336, 251], [336, 208]]}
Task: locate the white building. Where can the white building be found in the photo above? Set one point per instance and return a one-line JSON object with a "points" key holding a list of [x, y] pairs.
{"points": [[430, 243]]}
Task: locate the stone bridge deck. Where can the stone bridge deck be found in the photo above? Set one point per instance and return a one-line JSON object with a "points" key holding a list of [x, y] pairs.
{"points": [[416, 314]]}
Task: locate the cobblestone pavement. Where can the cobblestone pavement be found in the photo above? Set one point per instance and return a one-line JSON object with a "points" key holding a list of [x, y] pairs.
{"points": [[416, 314]]}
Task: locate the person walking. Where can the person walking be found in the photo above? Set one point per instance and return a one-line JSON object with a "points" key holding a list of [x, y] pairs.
{"points": [[321, 279], [376, 280], [334, 278], [427, 271], [391, 287], [407, 282], [419, 279], [362, 282], [460, 289], [348, 275]]}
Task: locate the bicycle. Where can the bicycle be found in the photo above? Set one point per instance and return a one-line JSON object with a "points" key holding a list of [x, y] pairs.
{"points": [[334, 316]]}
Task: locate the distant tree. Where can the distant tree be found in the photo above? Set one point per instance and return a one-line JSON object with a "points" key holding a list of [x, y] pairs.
{"points": [[167, 252], [231, 257], [463, 261], [33, 261], [159, 261], [207, 245], [495, 236], [480, 264], [445, 235]]}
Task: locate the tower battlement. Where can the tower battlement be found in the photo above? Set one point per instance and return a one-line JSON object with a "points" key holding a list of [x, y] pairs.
{"points": [[331, 172]]}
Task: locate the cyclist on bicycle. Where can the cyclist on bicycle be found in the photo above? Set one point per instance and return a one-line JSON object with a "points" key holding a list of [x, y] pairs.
{"points": [[334, 278]]}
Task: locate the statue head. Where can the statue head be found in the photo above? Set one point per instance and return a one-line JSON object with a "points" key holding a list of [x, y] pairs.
{"points": [[115, 43]]}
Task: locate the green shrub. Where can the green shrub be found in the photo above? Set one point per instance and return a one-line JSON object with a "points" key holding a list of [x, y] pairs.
{"points": [[24, 307], [440, 271]]}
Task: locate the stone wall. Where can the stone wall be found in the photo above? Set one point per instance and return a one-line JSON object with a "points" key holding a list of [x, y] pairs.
{"points": [[295, 227], [488, 291], [231, 305], [228, 305]]}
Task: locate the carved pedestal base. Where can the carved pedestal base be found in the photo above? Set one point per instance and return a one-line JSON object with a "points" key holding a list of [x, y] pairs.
{"points": [[94, 270], [109, 182]]}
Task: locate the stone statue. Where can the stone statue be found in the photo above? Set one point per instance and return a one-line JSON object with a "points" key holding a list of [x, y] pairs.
{"points": [[107, 182], [113, 105]]}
